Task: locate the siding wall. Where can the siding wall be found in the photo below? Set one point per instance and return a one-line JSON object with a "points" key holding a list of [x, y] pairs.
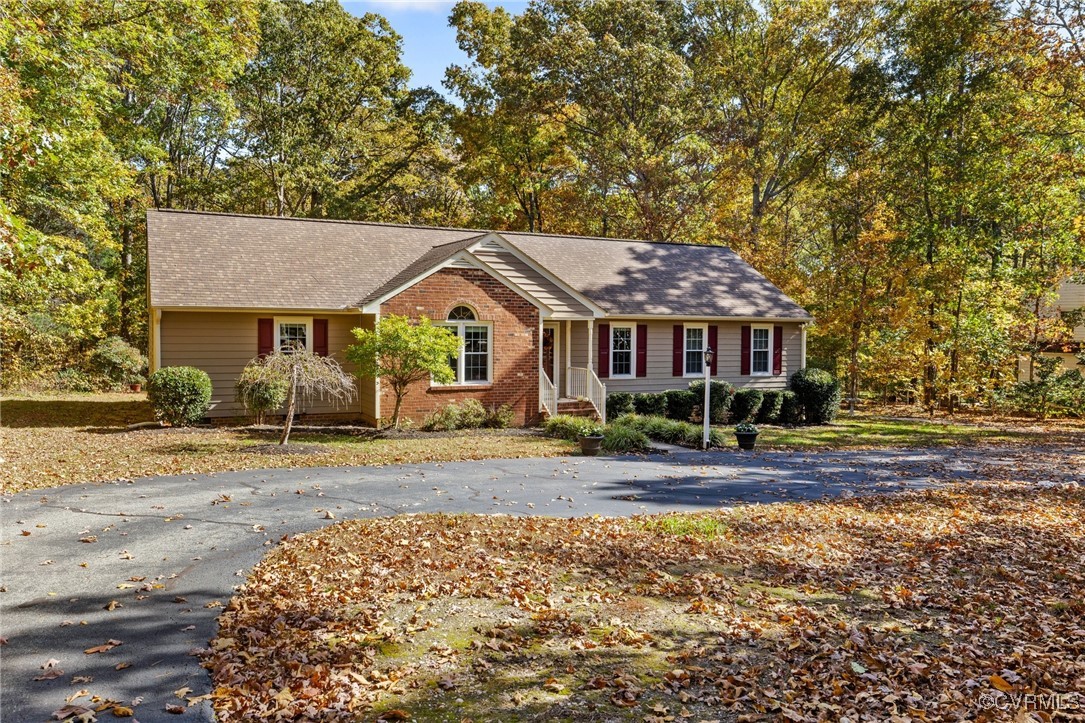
{"points": [[1072, 296], [222, 343], [660, 341]]}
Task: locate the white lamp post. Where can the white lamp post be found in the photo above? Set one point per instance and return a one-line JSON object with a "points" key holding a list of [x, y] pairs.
{"points": [[706, 411]]}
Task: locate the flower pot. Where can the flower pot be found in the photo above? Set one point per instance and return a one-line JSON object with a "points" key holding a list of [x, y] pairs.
{"points": [[136, 387], [746, 440], [590, 445]]}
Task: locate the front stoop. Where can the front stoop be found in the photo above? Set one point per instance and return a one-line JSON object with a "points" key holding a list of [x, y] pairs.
{"points": [[578, 408]]}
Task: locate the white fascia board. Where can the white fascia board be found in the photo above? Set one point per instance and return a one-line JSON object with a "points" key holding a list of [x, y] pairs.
{"points": [[373, 307], [495, 237], [683, 317]]}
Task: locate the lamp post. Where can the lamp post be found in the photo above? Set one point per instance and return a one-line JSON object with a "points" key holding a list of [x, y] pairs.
{"points": [[706, 412]]}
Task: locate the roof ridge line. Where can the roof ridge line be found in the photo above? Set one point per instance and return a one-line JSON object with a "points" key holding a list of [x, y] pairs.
{"points": [[478, 231]]}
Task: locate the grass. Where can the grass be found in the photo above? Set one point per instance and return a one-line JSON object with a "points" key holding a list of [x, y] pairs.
{"points": [[867, 608], [64, 439], [872, 432]]}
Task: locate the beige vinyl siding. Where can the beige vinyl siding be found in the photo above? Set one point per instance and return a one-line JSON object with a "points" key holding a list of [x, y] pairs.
{"points": [[533, 282], [367, 386], [660, 355], [222, 343], [1072, 296]]}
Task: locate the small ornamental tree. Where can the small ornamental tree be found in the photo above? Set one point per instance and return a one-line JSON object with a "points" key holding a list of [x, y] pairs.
{"points": [[306, 375], [401, 353]]}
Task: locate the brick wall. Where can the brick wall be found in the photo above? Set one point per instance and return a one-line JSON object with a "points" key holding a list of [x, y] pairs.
{"points": [[515, 343]]}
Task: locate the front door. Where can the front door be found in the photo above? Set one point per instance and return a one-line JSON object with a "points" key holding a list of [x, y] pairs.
{"points": [[549, 338]]}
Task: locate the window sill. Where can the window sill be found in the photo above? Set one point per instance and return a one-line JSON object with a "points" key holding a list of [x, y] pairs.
{"points": [[480, 386]]}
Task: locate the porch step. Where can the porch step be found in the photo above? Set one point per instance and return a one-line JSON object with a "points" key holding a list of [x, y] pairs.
{"points": [[577, 408]]}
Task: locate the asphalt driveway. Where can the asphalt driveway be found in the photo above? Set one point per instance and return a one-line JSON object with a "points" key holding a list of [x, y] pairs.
{"points": [[149, 563]]}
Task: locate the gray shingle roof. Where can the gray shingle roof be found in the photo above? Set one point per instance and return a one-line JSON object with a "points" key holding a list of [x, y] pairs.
{"points": [[259, 262]]}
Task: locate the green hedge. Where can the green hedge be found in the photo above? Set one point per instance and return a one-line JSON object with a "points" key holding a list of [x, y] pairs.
{"points": [[650, 403], [566, 426], [769, 413], [818, 393], [790, 411], [468, 414], [619, 403], [746, 404], [179, 395], [721, 395], [680, 403], [672, 431]]}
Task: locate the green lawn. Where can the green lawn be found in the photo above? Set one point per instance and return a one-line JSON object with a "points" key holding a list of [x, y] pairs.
{"points": [[864, 431]]}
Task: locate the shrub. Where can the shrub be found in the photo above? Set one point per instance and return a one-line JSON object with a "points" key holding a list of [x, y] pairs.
{"points": [[499, 417], [117, 362], [619, 403], [746, 404], [468, 414], [179, 395], [680, 403], [566, 426], [790, 411], [74, 380], [259, 393], [720, 395], [649, 403], [624, 438], [769, 413], [818, 393], [1052, 392]]}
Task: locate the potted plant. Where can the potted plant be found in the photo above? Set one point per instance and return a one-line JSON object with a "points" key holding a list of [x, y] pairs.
{"points": [[135, 383], [746, 434], [591, 438]]}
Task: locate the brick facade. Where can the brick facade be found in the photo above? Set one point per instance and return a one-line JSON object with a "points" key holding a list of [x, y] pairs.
{"points": [[515, 352]]}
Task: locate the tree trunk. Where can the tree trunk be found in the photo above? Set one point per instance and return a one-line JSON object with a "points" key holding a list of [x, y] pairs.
{"points": [[291, 400], [126, 271], [395, 413]]}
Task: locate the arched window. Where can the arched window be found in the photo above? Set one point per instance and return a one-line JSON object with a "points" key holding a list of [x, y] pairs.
{"points": [[461, 313], [474, 363]]}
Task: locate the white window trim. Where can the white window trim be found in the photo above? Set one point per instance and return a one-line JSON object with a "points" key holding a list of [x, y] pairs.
{"points": [[458, 325], [686, 373], [768, 372], [632, 351], [307, 320]]}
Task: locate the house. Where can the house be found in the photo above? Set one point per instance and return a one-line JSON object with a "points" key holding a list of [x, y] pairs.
{"points": [[545, 320], [1071, 298]]}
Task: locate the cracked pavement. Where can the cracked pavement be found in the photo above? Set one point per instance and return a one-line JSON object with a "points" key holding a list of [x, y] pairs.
{"points": [[170, 550]]}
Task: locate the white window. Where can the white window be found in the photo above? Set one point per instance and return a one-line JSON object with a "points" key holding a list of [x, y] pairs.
{"points": [[621, 351], [696, 340], [293, 332], [760, 340], [474, 364]]}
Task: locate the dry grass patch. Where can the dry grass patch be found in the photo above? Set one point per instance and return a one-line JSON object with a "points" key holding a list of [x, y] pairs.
{"points": [[907, 607]]}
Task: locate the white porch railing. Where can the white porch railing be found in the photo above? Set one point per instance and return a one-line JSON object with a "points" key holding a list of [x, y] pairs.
{"points": [[584, 384], [548, 394]]}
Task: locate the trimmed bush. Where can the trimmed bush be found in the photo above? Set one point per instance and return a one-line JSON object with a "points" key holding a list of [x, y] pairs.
{"points": [[259, 394], [566, 426], [790, 411], [619, 403], [720, 396], [746, 404], [624, 438], [770, 407], [499, 417], [117, 362], [468, 414], [180, 395], [818, 393], [649, 403], [680, 403]]}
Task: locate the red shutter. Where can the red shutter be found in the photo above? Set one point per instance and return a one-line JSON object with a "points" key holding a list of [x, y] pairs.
{"points": [[604, 351], [678, 362], [265, 336], [714, 345], [642, 350], [777, 350], [745, 361], [320, 337]]}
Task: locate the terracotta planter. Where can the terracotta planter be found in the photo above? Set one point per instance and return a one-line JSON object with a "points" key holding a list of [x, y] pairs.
{"points": [[136, 387], [589, 446], [746, 440]]}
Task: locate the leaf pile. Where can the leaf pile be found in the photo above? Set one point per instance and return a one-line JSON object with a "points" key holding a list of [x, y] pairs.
{"points": [[913, 607]]}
